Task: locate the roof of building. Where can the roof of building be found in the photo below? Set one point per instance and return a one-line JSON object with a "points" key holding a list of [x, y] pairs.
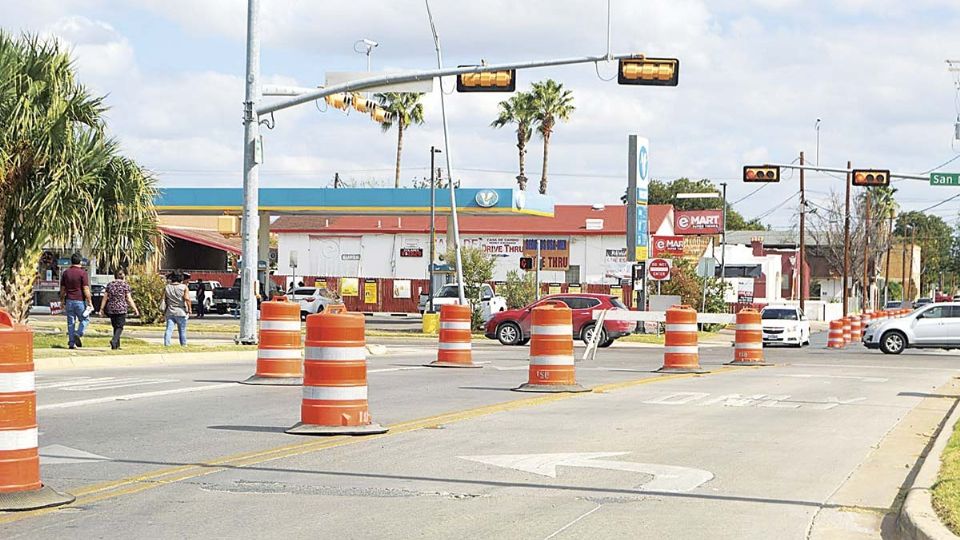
{"points": [[204, 237], [657, 214], [568, 219]]}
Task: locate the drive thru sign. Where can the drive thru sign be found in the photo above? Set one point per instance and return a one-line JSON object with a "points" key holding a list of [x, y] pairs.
{"points": [[659, 269]]}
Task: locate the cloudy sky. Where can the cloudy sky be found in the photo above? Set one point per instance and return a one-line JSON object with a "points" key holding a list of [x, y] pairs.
{"points": [[755, 76]]}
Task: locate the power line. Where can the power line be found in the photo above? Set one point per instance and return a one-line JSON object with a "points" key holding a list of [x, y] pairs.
{"points": [[947, 162]]}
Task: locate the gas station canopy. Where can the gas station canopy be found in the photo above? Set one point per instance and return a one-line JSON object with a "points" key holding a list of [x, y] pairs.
{"points": [[353, 201]]}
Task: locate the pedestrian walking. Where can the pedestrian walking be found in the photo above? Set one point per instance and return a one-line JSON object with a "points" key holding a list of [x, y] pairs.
{"points": [[201, 298], [176, 308], [117, 301], [76, 300]]}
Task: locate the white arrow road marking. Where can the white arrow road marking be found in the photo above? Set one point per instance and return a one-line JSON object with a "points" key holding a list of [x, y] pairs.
{"points": [[665, 477], [811, 376], [57, 454]]}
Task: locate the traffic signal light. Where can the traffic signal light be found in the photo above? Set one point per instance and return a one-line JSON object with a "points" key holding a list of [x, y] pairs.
{"points": [[491, 81], [761, 174], [526, 263], [871, 177], [381, 115], [362, 104], [649, 71], [339, 101]]}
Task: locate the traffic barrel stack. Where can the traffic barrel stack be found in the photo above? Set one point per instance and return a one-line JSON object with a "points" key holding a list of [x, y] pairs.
{"points": [[551, 351], [855, 332], [846, 330], [335, 376], [681, 353], [748, 340], [835, 337], [20, 485], [454, 349], [280, 349]]}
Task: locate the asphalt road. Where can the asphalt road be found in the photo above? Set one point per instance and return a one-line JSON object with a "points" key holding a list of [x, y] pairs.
{"points": [[185, 452]]}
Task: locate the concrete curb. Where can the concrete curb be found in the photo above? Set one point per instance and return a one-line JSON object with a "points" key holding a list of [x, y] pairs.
{"points": [[918, 520]]}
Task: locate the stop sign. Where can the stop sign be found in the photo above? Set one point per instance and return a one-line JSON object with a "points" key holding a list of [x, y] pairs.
{"points": [[658, 269]]}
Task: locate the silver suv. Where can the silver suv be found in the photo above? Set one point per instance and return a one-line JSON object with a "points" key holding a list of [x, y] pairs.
{"points": [[930, 326]]}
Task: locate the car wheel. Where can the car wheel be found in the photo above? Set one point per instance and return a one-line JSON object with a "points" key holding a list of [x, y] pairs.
{"points": [[509, 334], [303, 315], [893, 342], [587, 334], [607, 343], [523, 341]]}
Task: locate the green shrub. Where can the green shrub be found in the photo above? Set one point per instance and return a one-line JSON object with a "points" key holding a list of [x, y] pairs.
{"points": [[148, 294], [519, 290]]}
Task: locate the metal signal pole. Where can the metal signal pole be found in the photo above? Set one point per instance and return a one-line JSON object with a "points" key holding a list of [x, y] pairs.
{"points": [[251, 178], [803, 216], [867, 301], [846, 244]]}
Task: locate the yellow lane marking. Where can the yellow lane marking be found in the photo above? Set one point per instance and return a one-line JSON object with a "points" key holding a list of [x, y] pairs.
{"points": [[135, 484]]}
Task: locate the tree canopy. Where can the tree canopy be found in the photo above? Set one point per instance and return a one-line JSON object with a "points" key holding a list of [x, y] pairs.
{"points": [[662, 192]]}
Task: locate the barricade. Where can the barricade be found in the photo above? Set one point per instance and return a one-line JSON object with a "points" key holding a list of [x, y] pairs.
{"points": [[681, 353], [280, 349], [551, 351], [855, 329], [335, 376], [748, 340], [20, 485], [835, 337], [846, 330], [454, 349]]}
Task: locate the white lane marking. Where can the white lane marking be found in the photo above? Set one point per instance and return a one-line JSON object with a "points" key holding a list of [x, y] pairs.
{"points": [[678, 398], [128, 397], [665, 477], [387, 370], [572, 523], [68, 382], [782, 401], [57, 454], [874, 367], [114, 384], [852, 377]]}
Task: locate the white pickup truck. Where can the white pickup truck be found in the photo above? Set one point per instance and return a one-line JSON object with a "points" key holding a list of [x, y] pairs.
{"points": [[208, 286], [448, 294]]}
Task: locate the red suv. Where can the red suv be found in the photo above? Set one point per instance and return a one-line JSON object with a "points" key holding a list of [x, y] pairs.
{"points": [[512, 327]]}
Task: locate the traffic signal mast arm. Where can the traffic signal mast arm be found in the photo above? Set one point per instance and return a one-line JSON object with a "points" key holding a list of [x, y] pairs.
{"points": [[842, 170], [413, 76]]}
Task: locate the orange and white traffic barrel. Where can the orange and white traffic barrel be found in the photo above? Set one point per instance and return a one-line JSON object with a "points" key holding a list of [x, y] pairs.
{"points": [[551, 350], [855, 329], [748, 340], [335, 376], [454, 349], [20, 485], [280, 349], [835, 336], [847, 330], [681, 352]]}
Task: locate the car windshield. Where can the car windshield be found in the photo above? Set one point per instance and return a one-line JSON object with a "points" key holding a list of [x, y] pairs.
{"points": [[448, 291], [779, 314], [617, 303]]}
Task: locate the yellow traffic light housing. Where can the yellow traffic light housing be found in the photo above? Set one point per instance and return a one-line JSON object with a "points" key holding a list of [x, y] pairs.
{"points": [[362, 104], [761, 174], [380, 115], [491, 81], [871, 177], [338, 101], [649, 71]]}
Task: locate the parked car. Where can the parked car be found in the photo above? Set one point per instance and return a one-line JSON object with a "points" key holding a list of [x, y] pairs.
{"points": [[922, 302], [784, 325], [227, 299], [893, 304], [512, 327], [448, 294], [208, 286], [931, 326], [312, 300]]}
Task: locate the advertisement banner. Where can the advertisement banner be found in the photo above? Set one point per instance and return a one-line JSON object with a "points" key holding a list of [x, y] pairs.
{"points": [[554, 288], [616, 266], [574, 288], [502, 246], [643, 231], [370, 292], [349, 286], [555, 252], [698, 222], [667, 246], [401, 288]]}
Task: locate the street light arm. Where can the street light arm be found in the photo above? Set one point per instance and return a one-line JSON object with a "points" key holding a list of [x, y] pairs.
{"points": [[414, 76], [906, 176]]}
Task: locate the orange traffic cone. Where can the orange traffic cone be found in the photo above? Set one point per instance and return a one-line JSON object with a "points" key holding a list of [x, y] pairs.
{"points": [[855, 332], [835, 337], [748, 340], [847, 330], [20, 485], [335, 376], [454, 349], [280, 351], [551, 351], [681, 353]]}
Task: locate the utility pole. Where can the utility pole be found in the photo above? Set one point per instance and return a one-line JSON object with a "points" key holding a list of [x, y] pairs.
{"points": [[886, 272], [433, 220], [913, 242], [336, 180], [251, 178], [846, 244], [903, 267], [723, 238], [803, 247], [867, 301]]}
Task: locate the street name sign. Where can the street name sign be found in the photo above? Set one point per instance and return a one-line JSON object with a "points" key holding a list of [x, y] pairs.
{"points": [[944, 179]]}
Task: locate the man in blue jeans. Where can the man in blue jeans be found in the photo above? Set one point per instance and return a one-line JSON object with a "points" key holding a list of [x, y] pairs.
{"points": [[75, 296]]}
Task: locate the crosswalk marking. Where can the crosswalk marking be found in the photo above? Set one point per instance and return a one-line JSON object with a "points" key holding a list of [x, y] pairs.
{"points": [[89, 384]]}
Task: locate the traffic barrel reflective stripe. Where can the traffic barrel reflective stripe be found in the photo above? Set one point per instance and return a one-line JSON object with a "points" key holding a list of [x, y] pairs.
{"points": [[846, 330], [454, 349], [835, 337], [334, 396], [748, 339], [279, 348], [681, 352], [20, 485], [855, 329], [551, 350]]}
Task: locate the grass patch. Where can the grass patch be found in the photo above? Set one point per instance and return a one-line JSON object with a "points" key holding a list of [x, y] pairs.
{"points": [[946, 492], [103, 326], [55, 345]]}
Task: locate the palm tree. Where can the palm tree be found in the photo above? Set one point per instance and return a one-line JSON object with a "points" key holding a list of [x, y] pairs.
{"points": [[552, 103], [519, 110], [61, 178], [405, 109]]}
